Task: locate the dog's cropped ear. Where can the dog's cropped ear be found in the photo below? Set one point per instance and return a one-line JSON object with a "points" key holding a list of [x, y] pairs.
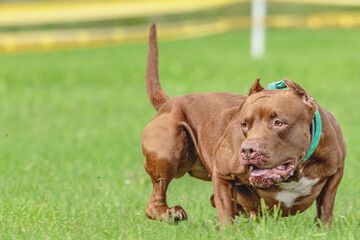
{"points": [[298, 90], [256, 87]]}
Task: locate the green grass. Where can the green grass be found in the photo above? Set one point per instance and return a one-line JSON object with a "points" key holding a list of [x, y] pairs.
{"points": [[71, 124]]}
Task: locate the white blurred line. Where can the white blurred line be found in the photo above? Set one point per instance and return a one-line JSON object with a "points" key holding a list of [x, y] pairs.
{"points": [[258, 15]]}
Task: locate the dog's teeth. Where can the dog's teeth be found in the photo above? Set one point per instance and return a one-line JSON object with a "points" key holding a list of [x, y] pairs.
{"points": [[292, 173], [281, 167]]}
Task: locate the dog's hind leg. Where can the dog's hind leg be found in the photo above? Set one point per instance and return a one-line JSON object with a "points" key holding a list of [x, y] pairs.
{"points": [[166, 148], [157, 207]]}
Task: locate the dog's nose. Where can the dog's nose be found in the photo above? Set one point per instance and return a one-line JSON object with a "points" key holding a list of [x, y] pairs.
{"points": [[249, 150]]}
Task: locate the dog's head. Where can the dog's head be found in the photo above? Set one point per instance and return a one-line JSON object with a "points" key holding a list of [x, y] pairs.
{"points": [[275, 124]]}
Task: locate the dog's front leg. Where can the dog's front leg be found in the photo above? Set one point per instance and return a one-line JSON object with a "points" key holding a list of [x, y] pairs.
{"points": [[224, 201], [325, 201]]}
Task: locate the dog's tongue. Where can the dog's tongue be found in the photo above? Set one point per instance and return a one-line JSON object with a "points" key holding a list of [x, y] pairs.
{"points": [[260, 172], [265, 173], [264, 178]]}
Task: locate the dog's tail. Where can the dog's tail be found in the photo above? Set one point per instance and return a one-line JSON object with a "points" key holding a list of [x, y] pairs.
{"points": [[156, 95]]}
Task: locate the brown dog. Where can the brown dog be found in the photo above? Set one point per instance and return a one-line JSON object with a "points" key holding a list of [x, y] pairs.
{"points": [[250, 147]]}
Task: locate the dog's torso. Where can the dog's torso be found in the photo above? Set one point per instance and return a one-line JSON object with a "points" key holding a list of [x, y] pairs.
{"points": [[204, 118]]}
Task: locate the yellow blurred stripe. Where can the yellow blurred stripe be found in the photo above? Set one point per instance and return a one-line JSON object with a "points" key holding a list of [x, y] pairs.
{"points": [[28, 13], [321, 2], [59, 39], [73, 38], [344, 20], [79, 11]]}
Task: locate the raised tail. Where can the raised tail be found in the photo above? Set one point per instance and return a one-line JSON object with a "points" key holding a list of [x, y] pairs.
{"points": [[156, 95]]}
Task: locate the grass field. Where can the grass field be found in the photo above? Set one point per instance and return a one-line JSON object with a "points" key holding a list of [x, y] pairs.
{"points": [[71, 124]]}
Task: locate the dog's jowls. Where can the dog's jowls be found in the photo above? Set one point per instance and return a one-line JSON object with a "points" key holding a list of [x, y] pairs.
{"points": [[250, 147]]}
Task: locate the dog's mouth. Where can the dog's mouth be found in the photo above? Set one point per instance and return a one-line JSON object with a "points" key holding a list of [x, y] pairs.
{"points": [[264, 178]]}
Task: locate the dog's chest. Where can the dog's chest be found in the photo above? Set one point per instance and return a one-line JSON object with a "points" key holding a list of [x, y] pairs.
{"points": [[290, 191]]}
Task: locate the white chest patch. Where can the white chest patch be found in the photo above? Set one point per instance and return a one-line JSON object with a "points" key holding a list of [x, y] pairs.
{"points": [[292, 190]]}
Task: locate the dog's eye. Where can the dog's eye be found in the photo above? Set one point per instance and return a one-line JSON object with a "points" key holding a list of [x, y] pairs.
{"points": [[279, 123], [244, 125]]}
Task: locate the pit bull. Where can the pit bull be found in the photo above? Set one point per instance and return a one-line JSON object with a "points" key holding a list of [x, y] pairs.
{"points": [[275, 144]]}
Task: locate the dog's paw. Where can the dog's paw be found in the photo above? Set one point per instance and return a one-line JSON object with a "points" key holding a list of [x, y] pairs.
{"points": [[176, 213]]}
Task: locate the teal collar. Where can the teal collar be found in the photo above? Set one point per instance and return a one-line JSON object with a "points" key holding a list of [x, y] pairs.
{"points": [[315, 127]]}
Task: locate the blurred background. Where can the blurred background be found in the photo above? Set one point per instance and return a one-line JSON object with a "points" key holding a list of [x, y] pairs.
{"points": [[31, 25]]}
